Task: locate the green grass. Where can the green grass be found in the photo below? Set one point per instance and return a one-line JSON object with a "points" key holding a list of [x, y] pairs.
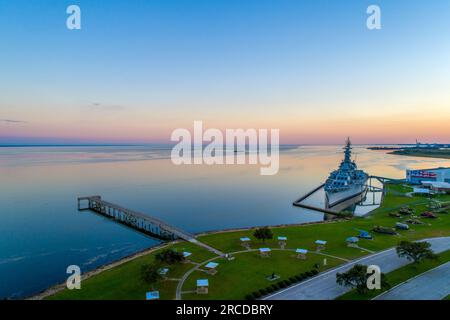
{"points": [[400, 275], [247, 272], [336, 232], [123, 281]]}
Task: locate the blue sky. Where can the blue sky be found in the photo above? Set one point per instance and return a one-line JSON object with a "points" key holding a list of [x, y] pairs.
{"points": [[144, 68]]}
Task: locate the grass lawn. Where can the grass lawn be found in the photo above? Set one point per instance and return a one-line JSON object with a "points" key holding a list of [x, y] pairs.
{"points": [[124, 282], [400, 275], [247, 272], [336, 232]]}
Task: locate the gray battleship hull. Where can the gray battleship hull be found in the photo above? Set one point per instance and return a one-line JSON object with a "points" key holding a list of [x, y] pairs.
{"points": [[339, 201]]}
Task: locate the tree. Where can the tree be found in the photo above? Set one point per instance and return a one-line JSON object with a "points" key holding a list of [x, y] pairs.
{"points": [[263, 234], [357, 278], [170, 256], [150, 273], [415, 251]]}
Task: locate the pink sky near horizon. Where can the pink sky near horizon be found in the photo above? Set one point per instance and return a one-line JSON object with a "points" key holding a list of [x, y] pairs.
{"points": [[124, 127], [311, 69]]}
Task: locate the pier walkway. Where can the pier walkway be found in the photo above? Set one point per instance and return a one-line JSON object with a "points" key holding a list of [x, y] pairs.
{"points": [[139, 221], [146, 224]]}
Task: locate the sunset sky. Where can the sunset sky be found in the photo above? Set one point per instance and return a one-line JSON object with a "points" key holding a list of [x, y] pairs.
{"points": [[138, 69]]}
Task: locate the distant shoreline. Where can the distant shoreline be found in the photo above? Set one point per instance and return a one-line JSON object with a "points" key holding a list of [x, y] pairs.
{"points": [[416, 152], [440, 154], [81, 145], [374, 146]]}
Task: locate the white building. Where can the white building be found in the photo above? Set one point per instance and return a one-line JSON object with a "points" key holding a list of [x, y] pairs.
{"points": [[437, 186]]}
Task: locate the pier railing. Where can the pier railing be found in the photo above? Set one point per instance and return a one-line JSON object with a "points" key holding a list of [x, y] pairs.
{"points": [[136, 220]]}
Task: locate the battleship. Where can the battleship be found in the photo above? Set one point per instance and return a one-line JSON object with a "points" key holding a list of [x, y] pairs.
{"points": [[347, 185]]}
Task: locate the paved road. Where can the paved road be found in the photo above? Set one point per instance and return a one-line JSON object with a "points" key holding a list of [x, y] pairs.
{"points": [[431, 285], [324, 286]]}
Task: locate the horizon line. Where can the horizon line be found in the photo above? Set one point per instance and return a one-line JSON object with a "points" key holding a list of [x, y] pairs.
{"points": [[12, 145]]}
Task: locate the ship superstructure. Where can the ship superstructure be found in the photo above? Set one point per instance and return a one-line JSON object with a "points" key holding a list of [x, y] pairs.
{"points": [[346, 185]]}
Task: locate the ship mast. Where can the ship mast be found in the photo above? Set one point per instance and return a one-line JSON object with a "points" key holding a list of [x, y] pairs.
{"points": [[348, 150]]}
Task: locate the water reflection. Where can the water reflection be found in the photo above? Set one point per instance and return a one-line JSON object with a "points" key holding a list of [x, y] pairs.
{"points": [[42, 232]]}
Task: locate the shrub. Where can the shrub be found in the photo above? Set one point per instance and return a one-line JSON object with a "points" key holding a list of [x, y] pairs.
{"points": [[263, 292], [282, 284], [150, 273], [415, 251], [169, 256], [357, 277], [263, 234]]}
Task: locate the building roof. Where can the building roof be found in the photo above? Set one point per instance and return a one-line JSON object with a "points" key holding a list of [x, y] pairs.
{"points": [[202, 283], [264, 250], [211, 265], [245, 239], [163, 271], [301, 251], [352, 239], [321, 242], [282, 238]]}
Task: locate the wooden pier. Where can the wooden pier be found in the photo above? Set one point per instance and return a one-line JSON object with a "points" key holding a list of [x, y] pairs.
{"points": [[149, 225], [146, 224]]}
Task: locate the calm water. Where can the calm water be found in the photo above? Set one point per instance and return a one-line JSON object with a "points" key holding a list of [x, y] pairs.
{"points": [[41, 231]]}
